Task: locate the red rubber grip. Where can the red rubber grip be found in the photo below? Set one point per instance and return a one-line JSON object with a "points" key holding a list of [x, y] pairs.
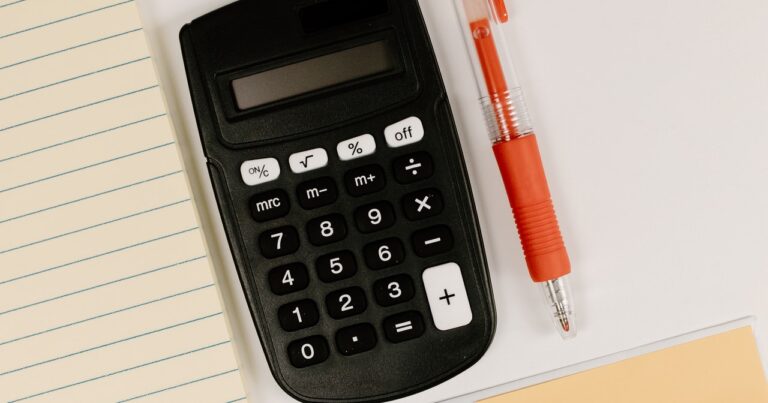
{"points": [[523, 173]]}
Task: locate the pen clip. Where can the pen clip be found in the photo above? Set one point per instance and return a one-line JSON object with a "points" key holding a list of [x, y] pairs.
{"points": [[499, 8]]}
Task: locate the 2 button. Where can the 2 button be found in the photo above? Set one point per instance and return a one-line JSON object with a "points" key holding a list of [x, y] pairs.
{"points": [[345, 303]]}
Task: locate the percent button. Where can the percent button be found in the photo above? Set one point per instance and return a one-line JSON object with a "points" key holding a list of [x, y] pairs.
{"points": [[256, 172], [356, 147]]}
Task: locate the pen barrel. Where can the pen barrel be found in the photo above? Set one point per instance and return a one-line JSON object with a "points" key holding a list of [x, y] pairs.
{"points": [[521, 168]]}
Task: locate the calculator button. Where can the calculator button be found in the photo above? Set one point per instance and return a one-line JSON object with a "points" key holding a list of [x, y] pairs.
{"points": [[413, 167], [381, 254], [336, 266], [289, 278], [403, 326], [374, 217], [325, 230], [298, 315], [270, 205], [393, 290], [365, 180], [310, 351], [279, 242], [345, 303], [432, 241], [356, 339], [356, 147], [308, 160], [256, 172], [447, 296], [404, 132], [423, 204], [317, 193]]}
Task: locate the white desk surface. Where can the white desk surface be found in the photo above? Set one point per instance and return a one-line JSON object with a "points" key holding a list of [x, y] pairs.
{"points": [[653, 124]]}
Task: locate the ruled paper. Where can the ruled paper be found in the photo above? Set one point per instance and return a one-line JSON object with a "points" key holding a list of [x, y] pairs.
{"points": [[106, 290]]}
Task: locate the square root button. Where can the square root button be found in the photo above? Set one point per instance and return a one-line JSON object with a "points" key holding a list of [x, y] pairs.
{"points": [[447, 296]]}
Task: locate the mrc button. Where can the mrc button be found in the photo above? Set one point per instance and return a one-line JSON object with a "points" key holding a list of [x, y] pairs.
{"points": [[270, 205], [404, 132]]}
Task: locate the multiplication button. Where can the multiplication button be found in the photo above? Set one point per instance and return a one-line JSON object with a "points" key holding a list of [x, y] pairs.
{"points": [[422, 204]]}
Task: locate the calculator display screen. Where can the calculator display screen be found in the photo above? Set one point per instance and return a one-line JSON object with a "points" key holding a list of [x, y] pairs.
{"points": [[313, 74]]}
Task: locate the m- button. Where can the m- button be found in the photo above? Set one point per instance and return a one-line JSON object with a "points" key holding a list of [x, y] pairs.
{"points": [[447, 296], [269, 205]]}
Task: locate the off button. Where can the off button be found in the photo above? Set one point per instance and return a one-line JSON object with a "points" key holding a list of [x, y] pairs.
{"points": [[404, 132]]}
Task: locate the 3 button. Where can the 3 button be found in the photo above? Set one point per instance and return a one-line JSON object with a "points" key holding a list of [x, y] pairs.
{"points": [[393, 290]]}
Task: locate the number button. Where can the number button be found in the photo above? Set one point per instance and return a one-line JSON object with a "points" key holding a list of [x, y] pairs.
{"points": [[365, 180], [317, 193], [422, 204], [383, 254], [403, 326], [336, 266], [432, 241], [413, 167], [270, 205], [374, 217], [356, 339], [279, 242], [310, 351], [289, 278], [328, 229], [393, 290], [345, 303], [298, 315]]}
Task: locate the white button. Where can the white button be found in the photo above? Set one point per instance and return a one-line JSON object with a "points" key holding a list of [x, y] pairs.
{"points": [[308, 160], [447, 296], [404, 132], [357, 147], [256, 172]]}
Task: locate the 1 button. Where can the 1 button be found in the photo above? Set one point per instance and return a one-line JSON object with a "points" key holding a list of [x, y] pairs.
{"points": [[289, 278], [308, 160], [432, 241], [325, 230], [317, 193], [413, 168], [404, 132], [447, 296], [365, 180], [270, 205], [256, 172], [374, 217], [279, 242], [383, 254], [356, 147], [336, 266], [403, 326], [310, 351], [345, 303], [298, 315], [356, 339], [393, 290], [422, 204]]}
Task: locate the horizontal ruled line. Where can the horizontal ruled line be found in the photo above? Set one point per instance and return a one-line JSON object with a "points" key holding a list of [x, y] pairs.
{"points": [[12, 3], [64, 19], [181, 385]]}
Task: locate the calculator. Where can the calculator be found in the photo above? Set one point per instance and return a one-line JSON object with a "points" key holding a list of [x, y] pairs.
{"points": [[341, 184]]}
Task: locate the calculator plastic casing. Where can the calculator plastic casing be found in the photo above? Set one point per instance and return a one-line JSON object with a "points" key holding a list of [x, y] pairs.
{"points": [[248, 36]]}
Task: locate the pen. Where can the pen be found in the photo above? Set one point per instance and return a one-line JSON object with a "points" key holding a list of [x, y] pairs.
{"points": [[518, 158]]}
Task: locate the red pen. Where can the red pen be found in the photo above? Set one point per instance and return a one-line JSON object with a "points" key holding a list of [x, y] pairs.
{"points": [[517, 154]]}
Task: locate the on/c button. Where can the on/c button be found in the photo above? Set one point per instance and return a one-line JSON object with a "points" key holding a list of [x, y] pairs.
{"points": [[447, 296]]}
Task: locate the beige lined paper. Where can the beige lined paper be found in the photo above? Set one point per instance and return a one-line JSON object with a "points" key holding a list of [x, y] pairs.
{"points": [[106, 291]]}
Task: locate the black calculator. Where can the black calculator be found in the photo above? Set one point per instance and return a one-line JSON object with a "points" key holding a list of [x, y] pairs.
{"points": [[341, 184]]}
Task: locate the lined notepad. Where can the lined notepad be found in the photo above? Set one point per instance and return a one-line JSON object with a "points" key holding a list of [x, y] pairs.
{"points": [[106, 291]]}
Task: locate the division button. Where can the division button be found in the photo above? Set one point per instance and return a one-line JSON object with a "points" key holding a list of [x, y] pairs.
{"points": [[256, 172], [309, 351], [404, 132], [432, 241], [298, 315], [317, 193], [413, 167], [270, 205], [356, 339], [423, 204], [365, 180], [308, 160], [279, 242], [356, 147], [447, 296], [403, 326]]}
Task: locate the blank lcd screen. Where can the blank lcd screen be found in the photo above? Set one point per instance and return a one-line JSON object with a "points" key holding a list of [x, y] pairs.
{"points": [[313, 74]]}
